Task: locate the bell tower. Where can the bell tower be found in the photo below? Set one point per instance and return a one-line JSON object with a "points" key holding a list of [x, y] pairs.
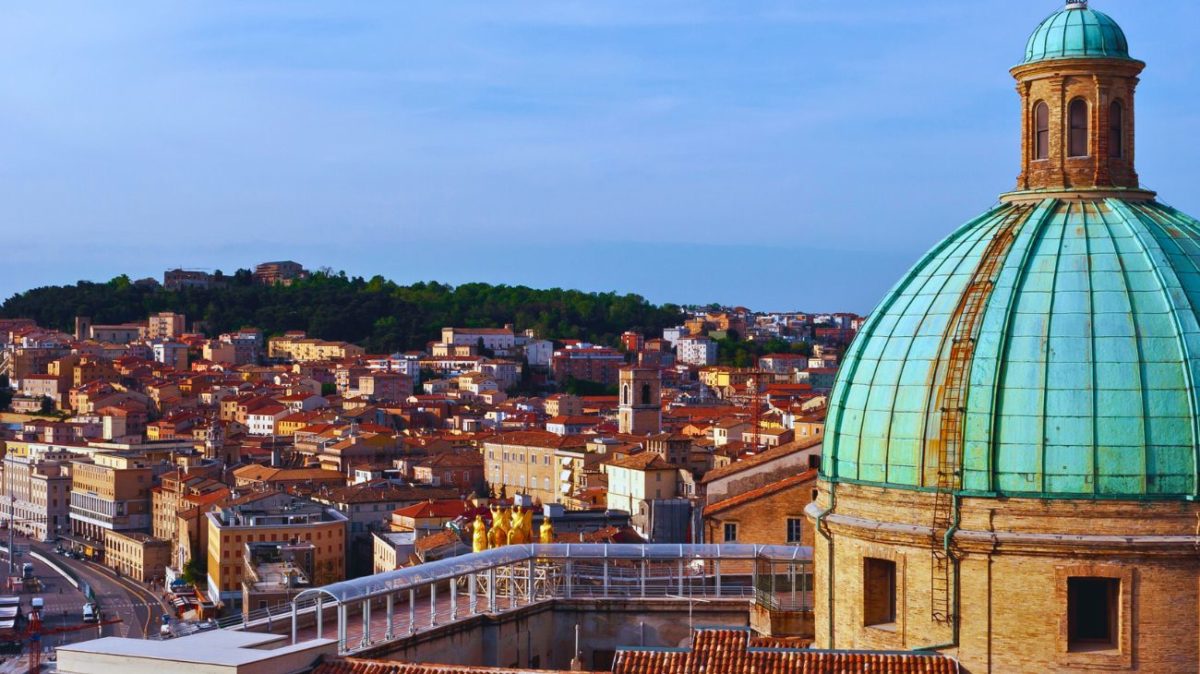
{"points": [[639, 410], [1077, 86]]}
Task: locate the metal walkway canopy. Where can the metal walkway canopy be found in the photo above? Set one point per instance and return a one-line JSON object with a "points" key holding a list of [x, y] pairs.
{"points": [[397, 604], [421, 575]]}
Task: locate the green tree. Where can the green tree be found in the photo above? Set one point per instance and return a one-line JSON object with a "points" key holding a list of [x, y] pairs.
{"points": [[195, 570], [379, 314]]}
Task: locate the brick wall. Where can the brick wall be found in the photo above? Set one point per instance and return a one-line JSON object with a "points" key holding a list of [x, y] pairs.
{"points": [[1099, 82], [763, 520], [1016, 556]]}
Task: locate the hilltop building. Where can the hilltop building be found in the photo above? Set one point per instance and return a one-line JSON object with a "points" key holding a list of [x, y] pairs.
{"points": [[283, 272]]}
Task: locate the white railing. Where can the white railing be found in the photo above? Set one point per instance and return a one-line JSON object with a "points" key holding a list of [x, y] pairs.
{"points": [[366, 612]]}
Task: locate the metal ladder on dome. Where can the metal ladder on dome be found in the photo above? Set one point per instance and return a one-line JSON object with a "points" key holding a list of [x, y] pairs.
{"points": [[967, 322]]}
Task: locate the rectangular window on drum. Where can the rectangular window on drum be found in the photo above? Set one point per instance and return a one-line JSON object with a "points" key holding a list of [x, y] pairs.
{"points": [[1078, 139], [1041, 121]]}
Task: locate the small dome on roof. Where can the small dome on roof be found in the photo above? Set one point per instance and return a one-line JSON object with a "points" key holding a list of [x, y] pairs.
{"points": [[1077, 31]]}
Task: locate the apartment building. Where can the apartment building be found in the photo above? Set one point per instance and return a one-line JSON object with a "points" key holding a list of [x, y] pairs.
{"points": [[532, 462], [636, 479], [172, 354], [25, 361], [122, 333], [36, 487], [137, 555], [563, 405], [295, 346], [110, 492], [44, 387], [165, 325], [500, 341], [389, 386], [262, 420], [191, 525], [283, 272], [696, 350], [587, 362], [178, 279], [170, 496], [271, 517]]}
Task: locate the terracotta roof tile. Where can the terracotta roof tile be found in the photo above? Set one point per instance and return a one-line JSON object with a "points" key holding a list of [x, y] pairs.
{"points": [[642, 461], [729, 651], [765, 490], [773, 453], [358, 666], [543, 439], [444, 508]]}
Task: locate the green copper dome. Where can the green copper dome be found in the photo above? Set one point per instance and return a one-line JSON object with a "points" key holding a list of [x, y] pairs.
{"points": [[1077, 32], [1073, 328]]}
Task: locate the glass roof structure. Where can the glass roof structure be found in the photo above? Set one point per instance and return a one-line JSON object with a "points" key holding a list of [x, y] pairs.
{"points": [[382, 584]]}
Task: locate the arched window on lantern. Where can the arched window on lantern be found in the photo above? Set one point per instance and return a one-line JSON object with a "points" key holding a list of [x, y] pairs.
{"points": [[1116, 130], [1077, 142], [1041, 131]]}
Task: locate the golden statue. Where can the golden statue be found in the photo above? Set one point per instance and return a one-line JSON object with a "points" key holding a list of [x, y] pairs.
{"points": [[499, 533], [496, 538], [479, 537], [516, 535], [528, 524], [546, 531]]}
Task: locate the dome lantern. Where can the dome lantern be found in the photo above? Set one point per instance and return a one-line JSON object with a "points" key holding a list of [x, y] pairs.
{"points": [[1077, 86], [1077, 31]]}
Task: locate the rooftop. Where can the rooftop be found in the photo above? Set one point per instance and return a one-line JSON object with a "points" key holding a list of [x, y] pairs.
{"points": [[765, 490], [357, 666], [729, 651], [219, 648], [761, 458]]}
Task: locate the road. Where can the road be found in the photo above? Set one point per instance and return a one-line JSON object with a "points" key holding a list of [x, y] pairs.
{"points": [[63, 601], [137, 606]]}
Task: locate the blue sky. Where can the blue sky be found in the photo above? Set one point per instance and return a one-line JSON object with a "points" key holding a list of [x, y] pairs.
{"points": [[780, 155]]}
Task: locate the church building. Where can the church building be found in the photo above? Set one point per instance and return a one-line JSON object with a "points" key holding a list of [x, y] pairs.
{"points": [[1010, 461]]}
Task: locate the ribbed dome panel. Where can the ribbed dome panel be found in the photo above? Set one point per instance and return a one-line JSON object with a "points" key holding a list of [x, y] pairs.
{"points": [[1077, 32], [1082, 378]]}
